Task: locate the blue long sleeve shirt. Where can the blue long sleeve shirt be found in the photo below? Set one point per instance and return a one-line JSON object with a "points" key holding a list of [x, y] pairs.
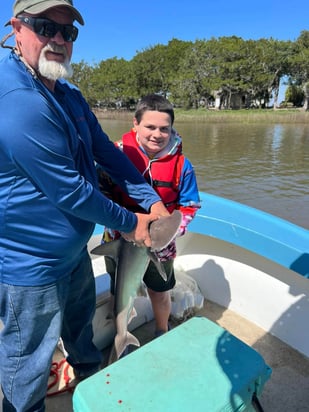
{"points": [[49, 196]]}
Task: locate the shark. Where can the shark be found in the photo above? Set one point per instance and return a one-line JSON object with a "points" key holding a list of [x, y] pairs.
{"points": [[131, 264]]}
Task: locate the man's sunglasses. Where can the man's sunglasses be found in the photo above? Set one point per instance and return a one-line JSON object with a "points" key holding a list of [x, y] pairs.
{"points": [[49, 28]]}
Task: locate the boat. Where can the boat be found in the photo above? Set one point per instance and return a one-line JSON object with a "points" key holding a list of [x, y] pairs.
{"points": [[252, 265], [252, 270], [242, 259]]}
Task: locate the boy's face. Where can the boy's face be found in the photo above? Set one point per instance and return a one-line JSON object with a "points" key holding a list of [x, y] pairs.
{"points": [[154, 131]]}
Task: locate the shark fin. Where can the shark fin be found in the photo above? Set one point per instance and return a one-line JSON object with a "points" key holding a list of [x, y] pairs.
{"points": [[141, 291], [133, 314], [108, 249], [164, 230], [158, 265]]}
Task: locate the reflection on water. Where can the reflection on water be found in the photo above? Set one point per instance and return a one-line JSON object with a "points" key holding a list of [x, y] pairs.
{"points": [[264, 166]]}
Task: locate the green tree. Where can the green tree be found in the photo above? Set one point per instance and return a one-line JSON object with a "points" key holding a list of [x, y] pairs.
{"points": [[298, 64], [112, 80], [228, 70], [83, 79], [197, 75], [294, 94], [269, 61], [155, 68]]}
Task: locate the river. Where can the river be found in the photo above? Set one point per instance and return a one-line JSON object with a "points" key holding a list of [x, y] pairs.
{"points": [[260, 165]]}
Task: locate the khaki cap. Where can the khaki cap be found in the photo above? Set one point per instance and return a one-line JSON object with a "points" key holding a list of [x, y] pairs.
{"points": [[39, 6]]}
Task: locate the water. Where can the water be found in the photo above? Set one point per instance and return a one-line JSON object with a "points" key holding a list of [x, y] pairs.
{"points": [[264, 166]]}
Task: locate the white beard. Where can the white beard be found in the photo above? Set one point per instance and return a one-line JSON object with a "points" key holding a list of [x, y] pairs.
{"points": [[54, 70]]}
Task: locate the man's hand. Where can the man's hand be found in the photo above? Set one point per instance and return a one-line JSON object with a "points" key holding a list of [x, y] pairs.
{"points": [[159, 209], [140, 235]]}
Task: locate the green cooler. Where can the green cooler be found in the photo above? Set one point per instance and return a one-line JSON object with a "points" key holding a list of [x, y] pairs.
{"points": [[198, 366]]}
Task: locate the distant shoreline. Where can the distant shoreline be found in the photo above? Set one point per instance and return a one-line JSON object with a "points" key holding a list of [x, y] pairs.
{"points": [[217, 116]]}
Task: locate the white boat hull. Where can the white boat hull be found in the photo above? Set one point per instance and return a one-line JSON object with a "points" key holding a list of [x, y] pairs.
{"points": [[269, 295], [242, 259]]}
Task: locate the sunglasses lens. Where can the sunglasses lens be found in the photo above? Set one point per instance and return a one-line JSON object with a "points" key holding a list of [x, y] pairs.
{"points": [[48, 28], [69, 33]]}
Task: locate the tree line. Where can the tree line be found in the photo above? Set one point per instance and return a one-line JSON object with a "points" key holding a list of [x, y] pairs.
{"points": [[222, 73]]}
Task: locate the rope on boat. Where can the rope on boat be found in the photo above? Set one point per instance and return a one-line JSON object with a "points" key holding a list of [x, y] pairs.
{"points": [[55, 372]]}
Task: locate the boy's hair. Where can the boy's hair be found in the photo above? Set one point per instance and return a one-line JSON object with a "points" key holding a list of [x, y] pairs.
{"points": [[154, 102]]}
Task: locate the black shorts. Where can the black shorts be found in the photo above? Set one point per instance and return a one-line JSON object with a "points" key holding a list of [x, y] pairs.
{"points": [[152, 278]]}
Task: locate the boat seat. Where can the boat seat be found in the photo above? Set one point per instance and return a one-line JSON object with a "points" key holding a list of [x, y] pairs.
{"points": [[196, 366]]}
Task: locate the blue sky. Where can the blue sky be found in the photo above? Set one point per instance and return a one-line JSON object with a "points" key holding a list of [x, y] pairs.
{"points": [[121, 28]]}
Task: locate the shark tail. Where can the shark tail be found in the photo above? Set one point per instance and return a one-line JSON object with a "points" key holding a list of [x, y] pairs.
{"points": [[120, 345]]}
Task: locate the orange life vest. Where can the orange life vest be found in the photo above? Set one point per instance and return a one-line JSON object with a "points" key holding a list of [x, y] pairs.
{"points": [[163, 173]]}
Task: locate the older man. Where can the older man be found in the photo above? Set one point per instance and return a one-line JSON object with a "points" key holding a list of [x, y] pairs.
{"points": [[50, 203]]}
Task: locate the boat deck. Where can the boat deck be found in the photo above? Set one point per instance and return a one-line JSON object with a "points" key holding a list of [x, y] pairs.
{"points": [[288, 387]]}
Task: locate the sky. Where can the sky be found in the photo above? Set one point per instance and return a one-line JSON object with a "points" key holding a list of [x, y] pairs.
{"points": [[122, 28]]}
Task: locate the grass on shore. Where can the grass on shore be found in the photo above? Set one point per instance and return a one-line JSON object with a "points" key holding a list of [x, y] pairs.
{"points": [[219, 116]]}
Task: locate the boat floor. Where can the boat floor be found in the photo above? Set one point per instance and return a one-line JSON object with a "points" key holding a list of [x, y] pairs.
{"points": [[288, 387]]}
